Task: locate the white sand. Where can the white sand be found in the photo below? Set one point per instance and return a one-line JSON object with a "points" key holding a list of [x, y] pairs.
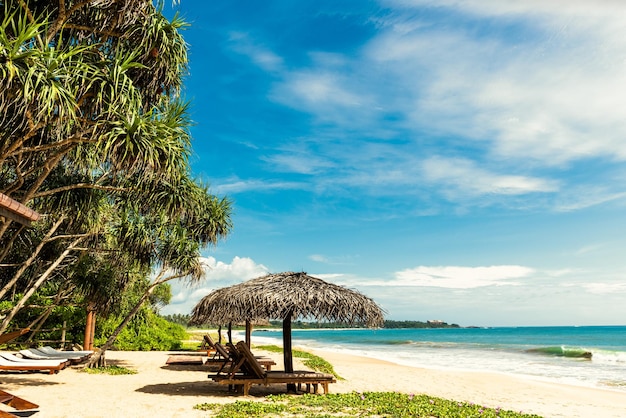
{"points": [[158, 390]]}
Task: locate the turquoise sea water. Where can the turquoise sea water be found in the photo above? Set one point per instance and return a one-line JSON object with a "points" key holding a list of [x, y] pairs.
{"points": [[585, 356]]}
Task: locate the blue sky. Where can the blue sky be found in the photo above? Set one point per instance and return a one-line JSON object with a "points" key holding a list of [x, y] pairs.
{"points": [[454, 160]]}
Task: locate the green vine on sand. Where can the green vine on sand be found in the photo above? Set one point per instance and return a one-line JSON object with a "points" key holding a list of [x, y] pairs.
{"points": [[367, 404]]}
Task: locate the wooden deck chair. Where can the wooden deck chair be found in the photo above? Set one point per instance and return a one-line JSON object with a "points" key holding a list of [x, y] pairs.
{"points": [[208, 345], [18, 404], [254, 373], [222, 358], [5, 338]]}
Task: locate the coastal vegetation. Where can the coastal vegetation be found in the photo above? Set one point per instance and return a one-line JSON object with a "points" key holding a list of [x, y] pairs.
{"points": [[183, 320], [94, 136], [366, 404]]}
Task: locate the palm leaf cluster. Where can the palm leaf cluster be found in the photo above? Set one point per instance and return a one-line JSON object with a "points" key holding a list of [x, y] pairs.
{"points": [[286, 295], [95, 136]]}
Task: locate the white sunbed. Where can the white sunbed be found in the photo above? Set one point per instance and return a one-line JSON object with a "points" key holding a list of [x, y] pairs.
{"points": [[70, 355], [51, 351], [19, 360], [8, 362], [30, 354]]}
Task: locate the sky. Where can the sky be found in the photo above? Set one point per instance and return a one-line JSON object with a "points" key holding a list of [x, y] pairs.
{"points": [[455, 160]]}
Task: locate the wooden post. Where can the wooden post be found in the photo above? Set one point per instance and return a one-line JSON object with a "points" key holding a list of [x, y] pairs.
{"points": [[93, 331], [219, 334], [230, 332], [248, 332], [287, 355], [88, 329]]}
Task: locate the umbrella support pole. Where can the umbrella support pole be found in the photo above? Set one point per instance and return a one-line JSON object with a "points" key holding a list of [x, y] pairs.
{"points": [[287, 354]]}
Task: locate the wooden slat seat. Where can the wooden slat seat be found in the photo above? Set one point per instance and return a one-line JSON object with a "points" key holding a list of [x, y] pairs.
{"points": [[254, 374]]}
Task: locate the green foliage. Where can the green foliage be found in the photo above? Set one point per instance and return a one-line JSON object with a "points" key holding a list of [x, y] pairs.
{"points": [[146, 332], [367, 404], [311, 360], [95, 136], [179, 319], [112, 370]]}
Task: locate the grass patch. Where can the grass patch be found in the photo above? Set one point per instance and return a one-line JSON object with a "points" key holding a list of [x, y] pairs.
{"points": [[311, 360], [368, 404], [189, 346], [113, 370]]}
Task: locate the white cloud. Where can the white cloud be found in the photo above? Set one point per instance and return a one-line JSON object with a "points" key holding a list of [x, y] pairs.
{"points": [[553, 94], [542, 88], [260, 55], [605, 288], [455, 277], [299, 161], [233, 186], [448, 277], [466, 176], [218, 274]]}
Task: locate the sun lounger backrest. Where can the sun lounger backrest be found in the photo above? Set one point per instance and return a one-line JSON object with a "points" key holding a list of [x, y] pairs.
{"points": [[252, 363], [209, 341], [219, 348], [4, 338]]}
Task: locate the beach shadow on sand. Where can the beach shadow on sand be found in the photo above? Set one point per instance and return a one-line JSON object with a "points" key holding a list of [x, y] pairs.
{"points": [[208, 388], [30, 379], [199, 388]]}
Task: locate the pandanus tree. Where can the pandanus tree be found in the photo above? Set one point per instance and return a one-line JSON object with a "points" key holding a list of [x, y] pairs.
{"points": [[171, 243], [94, 135]]}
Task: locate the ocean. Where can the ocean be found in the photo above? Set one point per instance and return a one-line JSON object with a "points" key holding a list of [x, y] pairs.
{"points": [[593, 356]]}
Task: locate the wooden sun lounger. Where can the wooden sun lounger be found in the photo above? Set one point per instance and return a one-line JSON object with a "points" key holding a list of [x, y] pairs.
{"points": [[254, 374], [208, 345], [61, 353], [16, 403], [8, 362], [5, 338], [230, 357], [35, 354], [74, 356]]}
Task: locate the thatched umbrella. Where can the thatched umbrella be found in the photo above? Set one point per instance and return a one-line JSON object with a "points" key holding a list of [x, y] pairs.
{"points": [[286, 296]]}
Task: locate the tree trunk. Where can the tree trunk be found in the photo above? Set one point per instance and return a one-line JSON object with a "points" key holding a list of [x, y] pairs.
{"points": [[88, 329], [37, 284], [31, 259], [98, 358], [9, 243]]}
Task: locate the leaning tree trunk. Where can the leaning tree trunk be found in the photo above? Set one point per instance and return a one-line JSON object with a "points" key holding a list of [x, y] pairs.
{"points": [[37, 284], [98, 358], [33, 257]]}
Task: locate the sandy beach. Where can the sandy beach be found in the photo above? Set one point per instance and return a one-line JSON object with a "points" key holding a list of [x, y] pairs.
{"points": [[158, 390]]}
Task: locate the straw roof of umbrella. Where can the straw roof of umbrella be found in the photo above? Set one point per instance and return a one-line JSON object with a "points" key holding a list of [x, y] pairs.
{"points": [[287, 295]]}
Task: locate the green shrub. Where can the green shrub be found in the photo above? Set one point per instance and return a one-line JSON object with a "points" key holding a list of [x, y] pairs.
{"points": [[147, 332]]}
